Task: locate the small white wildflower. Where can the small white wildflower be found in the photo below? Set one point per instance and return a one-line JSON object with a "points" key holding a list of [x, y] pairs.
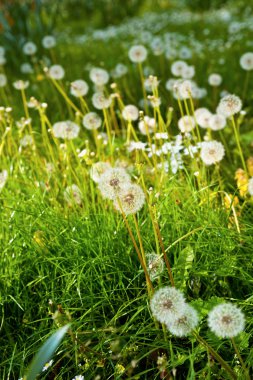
{"points": [[130, 113], [112, 181], [137, 53], [79, 88], [167, 304], [56, 72], [246, 61], [226, 320], [136, 145], [229, 105], [212, 152], [183, 325], [130, 199], [92, 121]]}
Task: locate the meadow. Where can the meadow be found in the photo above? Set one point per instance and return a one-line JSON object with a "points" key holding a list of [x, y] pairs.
{"points": [[126, 190]]}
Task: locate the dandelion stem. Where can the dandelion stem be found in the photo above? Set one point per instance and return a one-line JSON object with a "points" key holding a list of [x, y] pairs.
{"points": [[241, 359], [216, 355], [237, 138]]}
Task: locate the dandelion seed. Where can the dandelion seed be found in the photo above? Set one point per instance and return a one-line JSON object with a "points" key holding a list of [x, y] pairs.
{"points": [[66, 130], [137, 53], [186, 124], [226, 320], [167, 304], [155, 265], [56, 72], [79, 88], [48, 42], [130, 113], [215, 80], [29, 48], [3, 178], [99, 76], [212, 152], [73, 194], [246, 61], [92, 121], [229, 105], [130, 199], [112, 181], [98, 169], [47, 365], [183, 325]]}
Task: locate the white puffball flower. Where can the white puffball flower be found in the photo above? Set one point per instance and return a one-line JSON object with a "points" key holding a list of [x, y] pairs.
{"points": [[170, 83], [79, 88], [188, 72], [48, 42], [3, 178], [229, 105], [246, 61], [100, 101], [212, 152], [217, 122], [147, 125], [151, 83], [167, 304], [97, 169], [73, 194], [186, 124], [178, 67], [56, 72], [130, 113], [26, 68], [226, 320], [215, 79], [21, 84], [250, 186], [66, 130], [99, 76], [183, 325], [202, 116], [185, 89], [137, 53], [119, 70], [29, 48], [130, 199], [112, 181], [3, 80], [92, 121]]}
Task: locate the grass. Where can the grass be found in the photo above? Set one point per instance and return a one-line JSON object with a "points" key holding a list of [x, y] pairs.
{"points": [[62, 262]]}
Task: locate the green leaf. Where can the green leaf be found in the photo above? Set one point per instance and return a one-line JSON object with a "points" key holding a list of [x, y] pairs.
{"points": [[45, 353]]}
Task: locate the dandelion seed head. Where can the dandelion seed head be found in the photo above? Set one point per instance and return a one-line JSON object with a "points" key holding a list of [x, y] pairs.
{"points": [[137, 53], [3, 178], [212, 152], [167, 304], [130, 113], [3, 80], [147, 125], [217, 122], [100, 101], [92, 121], [29, 48], [229, 105], [99, 76], [21, 84], [56, 72], [215, 80], [183, 325], [246, 61], [48, 42], [79, 88], [112, 181], [202, 116], [226, 320], [178, 67], [98, 169], [130, 199], [186, 124], [73, 194], [66, 130]]}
